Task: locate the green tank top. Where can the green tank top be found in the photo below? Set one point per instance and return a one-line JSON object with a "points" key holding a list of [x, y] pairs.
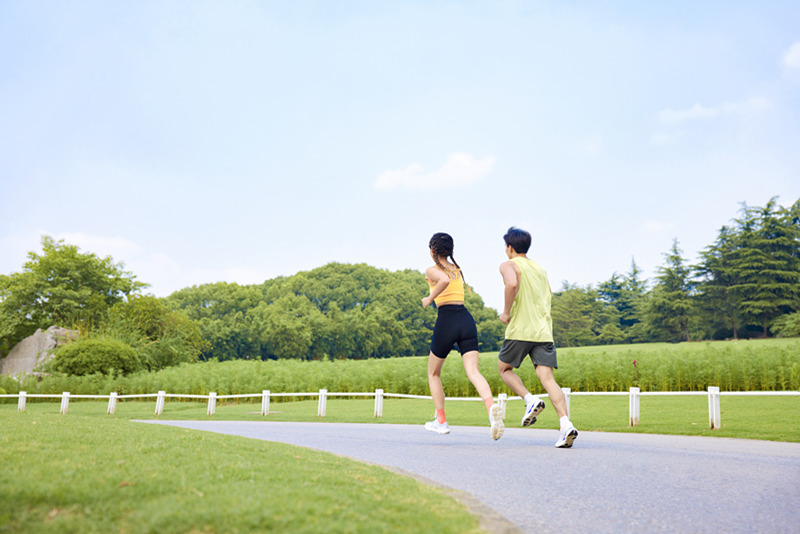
{"points": [[530, 313]]}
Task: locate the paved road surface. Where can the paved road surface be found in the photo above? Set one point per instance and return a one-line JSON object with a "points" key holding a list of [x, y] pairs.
{"points": [[605, 483]]}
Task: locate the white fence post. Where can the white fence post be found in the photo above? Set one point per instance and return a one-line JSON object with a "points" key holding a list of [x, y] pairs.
{"points": [[160, 402], [265, 402], [378, 403], [112, 403], [501, 400], [567, 392], [633, 407], [212, 403], [323, 402], [714, 417], [23, 395], [64, 402]]}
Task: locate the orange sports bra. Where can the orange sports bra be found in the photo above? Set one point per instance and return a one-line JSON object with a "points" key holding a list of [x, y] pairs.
{"points": [[454, 292]]}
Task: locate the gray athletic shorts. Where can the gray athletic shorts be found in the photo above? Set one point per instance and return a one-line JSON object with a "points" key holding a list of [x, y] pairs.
{"points": [[513, 352]]}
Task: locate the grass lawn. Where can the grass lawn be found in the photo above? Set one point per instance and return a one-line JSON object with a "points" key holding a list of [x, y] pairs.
{"points": [[85, 472], [90, 472]]}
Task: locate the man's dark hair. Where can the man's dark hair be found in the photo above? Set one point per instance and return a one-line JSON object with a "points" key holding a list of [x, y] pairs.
{"points": [[519, 240]]}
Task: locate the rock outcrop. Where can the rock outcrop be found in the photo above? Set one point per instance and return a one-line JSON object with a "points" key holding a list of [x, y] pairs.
{"points": [[34, 350]]}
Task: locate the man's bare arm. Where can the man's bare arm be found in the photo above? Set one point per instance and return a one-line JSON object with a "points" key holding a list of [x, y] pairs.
{"points": [[510, 273]]}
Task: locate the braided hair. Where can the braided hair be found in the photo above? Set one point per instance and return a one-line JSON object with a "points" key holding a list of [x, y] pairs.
{"points": [[442, 246]]}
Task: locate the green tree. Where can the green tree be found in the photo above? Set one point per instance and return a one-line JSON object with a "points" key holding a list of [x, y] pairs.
{"points": [[766, 264], [222, 311], [634, 300], [626, 295], [286, 328], [61, 286], [572, 311], [399, 295], [671, 309], [716, 276], [334, 311], [787, 325]]}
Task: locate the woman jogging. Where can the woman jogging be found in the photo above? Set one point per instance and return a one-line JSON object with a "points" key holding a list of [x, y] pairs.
{"points": [[454, 326]]}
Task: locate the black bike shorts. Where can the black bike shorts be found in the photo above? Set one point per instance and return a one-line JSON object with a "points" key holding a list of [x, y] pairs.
{"points": [[454, 326]]}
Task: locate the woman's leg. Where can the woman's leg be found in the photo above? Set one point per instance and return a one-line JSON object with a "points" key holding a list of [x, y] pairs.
{"points": [[470, 360], [435, 381], [496, 413]]}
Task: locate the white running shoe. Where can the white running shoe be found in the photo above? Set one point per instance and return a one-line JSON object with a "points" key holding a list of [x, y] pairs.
{"points": [[532, 410], [439, 428], [496, 415], [566, 437]]}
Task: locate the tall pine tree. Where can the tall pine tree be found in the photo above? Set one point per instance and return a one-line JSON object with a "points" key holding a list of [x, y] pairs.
{"points": [[766, 264], [671, 308], [717, 275]]}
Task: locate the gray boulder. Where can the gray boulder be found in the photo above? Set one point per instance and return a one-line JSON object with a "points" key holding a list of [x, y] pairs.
{"points": [[35, 350]]}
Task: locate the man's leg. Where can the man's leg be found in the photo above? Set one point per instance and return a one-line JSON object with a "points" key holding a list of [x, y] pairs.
{"points": [[511, 379], [568, 432], [533, 405], [548, 381]]}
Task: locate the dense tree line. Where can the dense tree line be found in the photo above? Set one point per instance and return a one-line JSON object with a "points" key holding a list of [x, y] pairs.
{"points": [[333, 312], [746, 284]]}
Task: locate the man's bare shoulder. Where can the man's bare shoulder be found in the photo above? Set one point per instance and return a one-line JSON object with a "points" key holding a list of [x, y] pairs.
{"points": [[509, 265]]}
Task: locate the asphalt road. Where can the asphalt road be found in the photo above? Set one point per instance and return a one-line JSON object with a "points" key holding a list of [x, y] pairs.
{"points": [[605, 483]]}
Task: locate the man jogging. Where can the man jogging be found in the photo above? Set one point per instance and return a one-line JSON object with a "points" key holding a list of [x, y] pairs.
{"points": [[530, 332]]}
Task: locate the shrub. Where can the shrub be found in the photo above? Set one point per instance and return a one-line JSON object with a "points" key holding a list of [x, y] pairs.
{"points": [[96, 355], [161, 337], [787, 325]]}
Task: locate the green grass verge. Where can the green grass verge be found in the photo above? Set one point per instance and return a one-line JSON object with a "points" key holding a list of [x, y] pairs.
{"points": [[85, 472], [768, 418]]}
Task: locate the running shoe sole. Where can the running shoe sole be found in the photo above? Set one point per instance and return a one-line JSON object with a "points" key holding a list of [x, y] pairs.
{"points": [[566, 443], [498, 427], [497, 430], [530, 418]]}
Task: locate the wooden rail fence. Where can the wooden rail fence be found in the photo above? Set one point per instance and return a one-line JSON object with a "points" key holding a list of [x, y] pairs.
{"points": [[634, 394]]}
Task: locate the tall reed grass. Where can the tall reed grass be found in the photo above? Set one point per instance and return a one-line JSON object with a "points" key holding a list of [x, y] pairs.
{"points": [[766, 365]]}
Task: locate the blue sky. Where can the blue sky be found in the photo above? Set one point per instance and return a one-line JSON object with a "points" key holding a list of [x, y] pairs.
{"points": [[238, 141]]}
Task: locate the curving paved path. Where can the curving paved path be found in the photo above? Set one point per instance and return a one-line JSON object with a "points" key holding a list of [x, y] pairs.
{"points": [[605, 483]]}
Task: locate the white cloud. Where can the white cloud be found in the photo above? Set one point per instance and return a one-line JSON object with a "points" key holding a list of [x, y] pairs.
{"points": [[460, 169], [755, 104], [791, 58]]}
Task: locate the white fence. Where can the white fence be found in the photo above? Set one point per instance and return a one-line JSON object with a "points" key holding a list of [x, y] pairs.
{"points": [[713, 393]]}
